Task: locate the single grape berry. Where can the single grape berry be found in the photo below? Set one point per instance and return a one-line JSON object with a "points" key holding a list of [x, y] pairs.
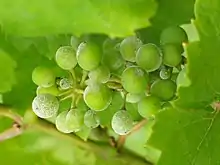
{"points": [[134, 80], [165, 73], [134, 98], [122, 122], [97, 96], [91, 119], [43, 76], [53, 90], [65, 83], [128, 48], [74, 120], [149, 57], [149, 106], [88, 56], [45, 105], [74, 42], [171, 55], [61, 124], [113, 60], [163, 89], [66, 57], [101, 74], [173, 35]]}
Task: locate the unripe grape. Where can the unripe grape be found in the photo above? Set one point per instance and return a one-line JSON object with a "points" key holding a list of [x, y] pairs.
{"points": [[66, 57], [149, 57], [88, 56], [45, 105], [163, 89], [91, 119], [74, 120], [61, 124], [122, 122], [97, 96], [43, 76]]}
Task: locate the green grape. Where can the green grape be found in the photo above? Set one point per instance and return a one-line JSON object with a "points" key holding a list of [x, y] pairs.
{"points": [[163, 89], [100, 74], [53, 90], [97, 96], [134, 80], [182, 78], [149, 57], [74, 42], [45, 105], [66, 57], [88, 56], [149, 106], [171, 55], [43, 76], [165, 73], [110, 44], [65, 83], [74, 120], [122, 122], [134, 98], [91, 119], [173, 35], [61, 124], [113, 60], [128, 48]]}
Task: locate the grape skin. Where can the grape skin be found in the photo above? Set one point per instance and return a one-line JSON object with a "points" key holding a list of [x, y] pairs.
{"points": [[61, 123], [100, 74], [165, 73], [122, 122], [65, 83], [74, 120], [66, 57], [53, 90], [97, 96], [88, 56], [149, 106], [45, 105], [134, 80], [163, 89], [182, 79], [171, 55], [173, 35], [91, 119], [43, 76], [128, 48], [149, 57]]}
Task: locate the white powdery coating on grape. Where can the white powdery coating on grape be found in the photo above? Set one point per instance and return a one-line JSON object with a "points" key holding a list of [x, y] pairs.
{"points": [[65, 83], [122, 122], [91, 120], [45, 105]]}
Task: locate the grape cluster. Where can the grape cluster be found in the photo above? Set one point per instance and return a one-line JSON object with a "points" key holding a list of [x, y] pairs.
{"points": [[144, 76]]}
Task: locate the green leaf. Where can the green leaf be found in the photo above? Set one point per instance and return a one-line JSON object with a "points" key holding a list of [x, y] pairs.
{"points": [[78, 16], [187, 137], [203, 59], [7, 70]]}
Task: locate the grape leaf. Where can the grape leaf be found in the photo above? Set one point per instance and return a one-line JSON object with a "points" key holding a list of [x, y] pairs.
{"points": [[203, 58], [78, 17], [187, 138], [7, 70]]}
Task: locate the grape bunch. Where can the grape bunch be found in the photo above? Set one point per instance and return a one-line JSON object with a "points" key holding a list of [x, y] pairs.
{"points": [[112, 85]]}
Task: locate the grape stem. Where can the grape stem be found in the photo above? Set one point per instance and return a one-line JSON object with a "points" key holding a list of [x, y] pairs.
{"points": [[122, 138], [115, 80], [83, 79], [66, 97]]}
